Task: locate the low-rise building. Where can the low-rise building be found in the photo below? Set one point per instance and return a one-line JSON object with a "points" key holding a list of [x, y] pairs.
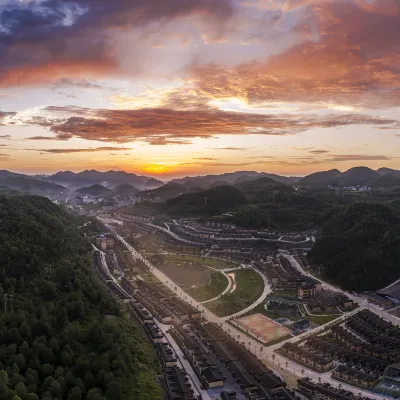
{"points": [[307, 358], [324, 391], [379, 300], [354, 377], [213, 377]]}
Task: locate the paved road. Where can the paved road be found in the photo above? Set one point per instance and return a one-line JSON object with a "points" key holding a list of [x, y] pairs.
{"points": [[227, 289], [260, 351], [174, 235], [267, 290], [361, 301], [196, 384], [252, 238]]}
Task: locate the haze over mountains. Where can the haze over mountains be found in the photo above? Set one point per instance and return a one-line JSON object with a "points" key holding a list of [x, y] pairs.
{"points": [[357, 176], [130, 184]]}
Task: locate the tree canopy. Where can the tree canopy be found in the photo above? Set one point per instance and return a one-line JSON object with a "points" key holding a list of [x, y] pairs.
{"points": [[360, 246], [63, 336]]}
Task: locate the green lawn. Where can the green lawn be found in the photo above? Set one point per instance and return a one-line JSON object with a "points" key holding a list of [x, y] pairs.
{"points": [[321, 319], [218, 283], [249, 288]]}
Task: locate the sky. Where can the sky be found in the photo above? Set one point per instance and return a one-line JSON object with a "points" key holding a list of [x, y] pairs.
{"points": [[172, 88]]}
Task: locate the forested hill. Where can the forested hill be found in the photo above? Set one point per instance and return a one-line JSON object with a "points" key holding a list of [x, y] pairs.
{"points": [[58, 341], [360, 247]]}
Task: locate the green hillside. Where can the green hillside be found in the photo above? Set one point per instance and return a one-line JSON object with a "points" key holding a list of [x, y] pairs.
{"points": [[360, 247], [57, 341], [94, 190], [206, 202]]}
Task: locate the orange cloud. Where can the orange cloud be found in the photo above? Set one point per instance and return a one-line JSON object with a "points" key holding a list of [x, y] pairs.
{"points": [[350, 56], [160, 126]]}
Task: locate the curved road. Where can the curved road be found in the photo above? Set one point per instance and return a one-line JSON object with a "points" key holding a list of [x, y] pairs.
{"points": [[260, 351], [267, 290], [361, 301], [228, 288]]}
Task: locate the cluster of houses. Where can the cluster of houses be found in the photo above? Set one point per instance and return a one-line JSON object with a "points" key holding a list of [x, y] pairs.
{"points": [[219, 231], [338, 352], [105, 241], [375, 330], [176, 380], [111, 285], [305, 357], [363, 351], [216, 358], [134, 217], [324, 391]]}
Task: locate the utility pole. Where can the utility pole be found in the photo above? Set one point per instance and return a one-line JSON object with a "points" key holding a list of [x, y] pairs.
{"points": [[5, 304], [8, 297]]}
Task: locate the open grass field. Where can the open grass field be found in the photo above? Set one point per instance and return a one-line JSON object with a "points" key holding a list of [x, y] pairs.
{"points": [[200, 282], [185, 275], [249, 287], [218, 283], [265, 329]]}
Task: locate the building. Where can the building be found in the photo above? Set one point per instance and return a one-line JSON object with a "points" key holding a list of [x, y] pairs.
{"points": [[178, 384], [228, 395], [306, 290], [392, 373], [354, 377], [105, 242], [302, 356], [166, 355], [138, 218], [213, 377], [244, 380], [379, 300], [154, 333], [324, 391]]}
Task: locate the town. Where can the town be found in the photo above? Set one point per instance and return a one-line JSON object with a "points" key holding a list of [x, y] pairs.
{"points": [[292, 336]]}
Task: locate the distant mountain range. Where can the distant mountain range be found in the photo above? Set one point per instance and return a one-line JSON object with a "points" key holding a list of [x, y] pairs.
{"points": [[231, 178], [129, 184], [109, 179], [357, 176], [94, 190]]}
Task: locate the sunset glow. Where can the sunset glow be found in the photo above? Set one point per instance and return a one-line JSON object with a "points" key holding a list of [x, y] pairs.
{"points": [[281, 86]]}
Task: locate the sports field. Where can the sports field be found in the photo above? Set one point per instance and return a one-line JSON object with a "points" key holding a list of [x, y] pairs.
{"points": [[262, 327]]}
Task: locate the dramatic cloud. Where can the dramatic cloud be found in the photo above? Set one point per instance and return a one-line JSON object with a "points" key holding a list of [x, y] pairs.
{"points": [[349, 55], [80, 150], [3, 116], [161, 126], [51, 39]]}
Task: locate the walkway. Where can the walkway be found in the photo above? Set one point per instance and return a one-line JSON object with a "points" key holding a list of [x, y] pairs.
{"points": [[267, 290], [361, 301], [259, 351], [227, 289]]}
